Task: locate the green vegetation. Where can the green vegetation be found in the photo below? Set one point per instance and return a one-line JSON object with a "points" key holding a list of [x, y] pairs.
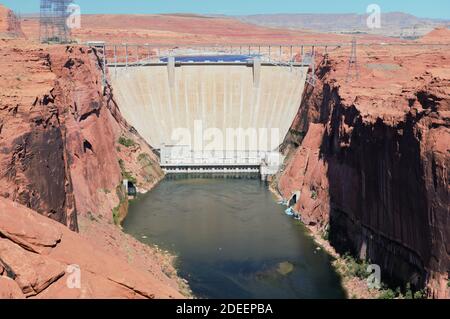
{"points": [[91, 217], [125, 174], [314, 193], [298, 223], [387, 293], [326, 233], [106, 191], [296, 133], [420, 295], [115, 213], [149, 170], [356, 268], [122, 164], [127, 142], [120, 191], [410, 294], [144, 157]]}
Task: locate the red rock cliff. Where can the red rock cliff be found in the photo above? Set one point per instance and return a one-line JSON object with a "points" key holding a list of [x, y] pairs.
{"points": [[37, 256], [9, 24], [369, 159], [59, 132], [61, 156]]}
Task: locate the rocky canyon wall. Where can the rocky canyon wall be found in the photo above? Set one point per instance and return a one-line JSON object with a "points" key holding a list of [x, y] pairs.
{"points": [[62, 155], [39, 257], [9, 24], [369, 159], [64, 151], [59, 135]]}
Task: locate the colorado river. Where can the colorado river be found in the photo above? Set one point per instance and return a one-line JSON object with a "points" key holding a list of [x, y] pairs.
{"points": [[232, 240]]}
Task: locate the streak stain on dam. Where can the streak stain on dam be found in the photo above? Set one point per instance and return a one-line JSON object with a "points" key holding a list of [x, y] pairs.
{"points": [[160, 98]]}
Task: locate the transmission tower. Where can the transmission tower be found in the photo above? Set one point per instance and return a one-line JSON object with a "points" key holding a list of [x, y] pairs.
{"points": [[53, 21], [309, 59], [353, 72]]}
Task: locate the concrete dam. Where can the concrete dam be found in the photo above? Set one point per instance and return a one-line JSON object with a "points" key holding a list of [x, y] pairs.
{"points": [[191, 111]]}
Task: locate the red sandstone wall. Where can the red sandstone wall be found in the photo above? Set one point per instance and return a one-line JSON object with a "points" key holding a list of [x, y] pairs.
{"points": [[59, 131], [377, 178]]}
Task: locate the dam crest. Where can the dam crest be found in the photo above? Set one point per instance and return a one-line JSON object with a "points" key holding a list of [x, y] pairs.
{"points": [[249, 94]]}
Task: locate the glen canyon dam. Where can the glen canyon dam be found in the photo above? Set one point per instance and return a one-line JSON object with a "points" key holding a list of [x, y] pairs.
{"points": [[171, 104], [216, 154]]}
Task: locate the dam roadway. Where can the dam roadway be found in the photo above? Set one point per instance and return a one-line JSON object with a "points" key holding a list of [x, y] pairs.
{"points": [[160, 100]]}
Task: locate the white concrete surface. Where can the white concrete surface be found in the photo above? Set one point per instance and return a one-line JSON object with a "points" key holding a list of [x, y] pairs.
{"points": [[221, 96]]}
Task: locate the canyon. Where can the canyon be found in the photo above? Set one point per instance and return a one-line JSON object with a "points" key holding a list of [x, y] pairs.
{"points": [[188, 29], [368, 161], [394, 24], [60, 158], [366, 158]]}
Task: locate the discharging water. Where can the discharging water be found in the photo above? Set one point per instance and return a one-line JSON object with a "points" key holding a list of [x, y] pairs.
{"points": [[233, 240]]}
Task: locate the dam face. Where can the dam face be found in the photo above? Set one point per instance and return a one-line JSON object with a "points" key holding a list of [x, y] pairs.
{"points": [[168, 104]]}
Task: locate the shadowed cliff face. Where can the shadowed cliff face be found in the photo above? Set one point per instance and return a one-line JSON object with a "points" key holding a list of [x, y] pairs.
{"points": [[59, 156], [372, 170], [59, 151], [33, 159], [91, 131], [38, 157], [379, 204]]}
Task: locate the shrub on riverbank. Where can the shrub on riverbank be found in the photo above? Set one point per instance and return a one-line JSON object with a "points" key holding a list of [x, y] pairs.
{"points": [[127, 142]]}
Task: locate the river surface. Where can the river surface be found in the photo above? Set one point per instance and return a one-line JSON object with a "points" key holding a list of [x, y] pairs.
{"points": [[232, 240]]}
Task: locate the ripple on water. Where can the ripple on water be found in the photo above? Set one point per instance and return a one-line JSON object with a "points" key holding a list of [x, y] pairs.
{"points": [[233, 240]]}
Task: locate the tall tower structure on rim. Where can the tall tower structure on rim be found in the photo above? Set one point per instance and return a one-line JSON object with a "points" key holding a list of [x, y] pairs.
{"points": [[353, 72], [53, 21]]}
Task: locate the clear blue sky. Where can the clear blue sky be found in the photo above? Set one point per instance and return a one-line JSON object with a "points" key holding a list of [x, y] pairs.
{"points": [[421, 8]]}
